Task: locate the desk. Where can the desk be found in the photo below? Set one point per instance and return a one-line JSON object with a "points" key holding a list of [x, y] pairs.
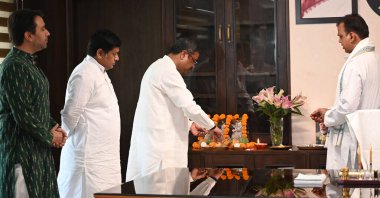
{"points": [[301, 159], [259, 181]]}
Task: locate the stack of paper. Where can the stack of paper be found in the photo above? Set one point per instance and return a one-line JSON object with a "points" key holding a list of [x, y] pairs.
{"points": [[309, 181]]}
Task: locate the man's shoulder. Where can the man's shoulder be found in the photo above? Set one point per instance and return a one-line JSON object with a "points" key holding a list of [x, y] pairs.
{"points": [[11, 61]]}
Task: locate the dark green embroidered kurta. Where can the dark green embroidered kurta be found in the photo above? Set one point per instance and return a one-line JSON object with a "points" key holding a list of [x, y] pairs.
{"points": [[25, 124]]}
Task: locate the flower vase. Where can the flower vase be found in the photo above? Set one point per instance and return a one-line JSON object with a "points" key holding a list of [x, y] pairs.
{"points": [[276, 130]]}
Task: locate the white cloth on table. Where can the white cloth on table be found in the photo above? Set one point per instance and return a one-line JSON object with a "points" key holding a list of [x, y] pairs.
{"points": [[309, 180], [90, 159], [365, 124], [358, 88]]}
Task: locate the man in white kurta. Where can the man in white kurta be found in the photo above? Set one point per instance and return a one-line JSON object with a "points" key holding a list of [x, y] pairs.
{"points": [[165, 106], [90, 161], [358, 88]]}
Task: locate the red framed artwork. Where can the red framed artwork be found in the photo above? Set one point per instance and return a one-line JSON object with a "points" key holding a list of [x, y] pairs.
{"points": [[323, 11]]}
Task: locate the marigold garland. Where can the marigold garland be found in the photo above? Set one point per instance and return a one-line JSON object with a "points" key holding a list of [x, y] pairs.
{"points": [[228, 141], [230, 175]]}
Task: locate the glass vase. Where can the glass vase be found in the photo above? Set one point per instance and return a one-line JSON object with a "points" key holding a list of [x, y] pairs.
{"points": [[276, 130]]}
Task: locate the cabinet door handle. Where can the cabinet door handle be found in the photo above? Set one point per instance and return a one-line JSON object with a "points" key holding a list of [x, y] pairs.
{"points": [[220, 33], [229, 33]]}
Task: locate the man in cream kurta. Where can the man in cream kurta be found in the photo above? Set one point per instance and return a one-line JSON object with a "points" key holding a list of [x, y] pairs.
{"points": [[358, 88], [90, 161], [165, 106]]}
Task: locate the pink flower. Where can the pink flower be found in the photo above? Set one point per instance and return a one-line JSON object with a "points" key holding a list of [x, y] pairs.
{"points": [[299, 99], [277, 101], [278, 105], [289, 193], [286, 103]]}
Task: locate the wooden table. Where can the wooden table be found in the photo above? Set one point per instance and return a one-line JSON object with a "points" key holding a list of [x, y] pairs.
{"points": [[295, 158]]}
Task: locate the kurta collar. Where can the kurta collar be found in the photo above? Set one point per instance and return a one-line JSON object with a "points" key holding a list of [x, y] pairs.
{"points": [[363, 43], [92, 60], [21, 53], [169, 60]]}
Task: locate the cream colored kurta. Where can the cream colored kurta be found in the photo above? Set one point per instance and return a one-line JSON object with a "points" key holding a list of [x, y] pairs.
{"points": [[161, 123], [90, 159], [359, 88], [172, 181]]}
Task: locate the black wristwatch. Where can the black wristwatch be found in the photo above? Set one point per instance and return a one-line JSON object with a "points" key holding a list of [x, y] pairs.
{"points": [[212, 128]]}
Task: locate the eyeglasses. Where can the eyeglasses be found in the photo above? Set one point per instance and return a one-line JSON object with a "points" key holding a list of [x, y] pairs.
{"points": [[192, 58]]}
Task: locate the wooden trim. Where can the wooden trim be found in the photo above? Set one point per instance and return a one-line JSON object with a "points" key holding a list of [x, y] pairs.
{"points": [[168, 24], [3, 52], [220, 48], [3, 21], [8, 7], [283, 63], [4, 37], [69, 36]]}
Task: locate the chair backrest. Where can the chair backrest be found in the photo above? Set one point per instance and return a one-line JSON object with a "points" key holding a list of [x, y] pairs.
{"points": [[365, 124]]}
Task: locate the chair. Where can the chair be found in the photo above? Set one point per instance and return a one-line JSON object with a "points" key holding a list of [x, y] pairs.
{"points": [[365, 124]]}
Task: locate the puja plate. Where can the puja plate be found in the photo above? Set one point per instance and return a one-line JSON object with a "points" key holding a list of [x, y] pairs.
{"points": [[311, 147], [282, 147], [220, 148]]}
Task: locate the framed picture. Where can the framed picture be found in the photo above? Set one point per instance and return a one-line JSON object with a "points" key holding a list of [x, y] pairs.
{"points": [[324, 11]]}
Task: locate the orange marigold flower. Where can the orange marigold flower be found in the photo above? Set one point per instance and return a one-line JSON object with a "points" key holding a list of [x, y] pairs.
{"points": [[237, 177], [196, 145], [222, 116], [223, 177], [244, 135]]}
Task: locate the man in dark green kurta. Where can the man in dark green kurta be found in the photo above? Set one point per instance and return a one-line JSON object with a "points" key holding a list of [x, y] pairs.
{"points": [[27, 130]]}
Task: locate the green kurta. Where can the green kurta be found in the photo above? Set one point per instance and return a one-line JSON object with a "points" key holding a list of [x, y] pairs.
{"points": [[25, 124]]}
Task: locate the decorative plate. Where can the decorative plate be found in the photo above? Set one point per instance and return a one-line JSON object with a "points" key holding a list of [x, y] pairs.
{"points": [[282, 147], [311, 147]]}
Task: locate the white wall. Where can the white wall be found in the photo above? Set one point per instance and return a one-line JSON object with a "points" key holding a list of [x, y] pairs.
{"points": [[315, 61]]}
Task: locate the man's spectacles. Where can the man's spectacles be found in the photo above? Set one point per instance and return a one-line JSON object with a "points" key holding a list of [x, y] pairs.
{"points": [[192, 58]]}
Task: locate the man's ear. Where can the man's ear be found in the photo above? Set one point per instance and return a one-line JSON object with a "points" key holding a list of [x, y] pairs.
{"points": [[354, 37], [182, 54], [28, 36], [100, 53]]}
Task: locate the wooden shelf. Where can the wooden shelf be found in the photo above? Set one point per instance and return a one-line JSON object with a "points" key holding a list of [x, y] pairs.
{"points": [[300, 159]]}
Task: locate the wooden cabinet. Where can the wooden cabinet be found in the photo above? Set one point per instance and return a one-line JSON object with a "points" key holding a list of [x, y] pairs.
{"points": [[300, 159], [244, 48]]}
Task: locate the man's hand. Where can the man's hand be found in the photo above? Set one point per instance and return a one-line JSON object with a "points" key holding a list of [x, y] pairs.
{"points": [[198, 173], [217, 134], [215, 172], [197, 130], [319, 114], [59, 136]]}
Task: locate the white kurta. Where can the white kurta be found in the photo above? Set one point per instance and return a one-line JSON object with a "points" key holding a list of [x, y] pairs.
{"points": [[359, 88], [172, 181], [90, 159], [161, 123]]}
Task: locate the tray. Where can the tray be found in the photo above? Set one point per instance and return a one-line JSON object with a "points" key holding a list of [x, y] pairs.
{"points": [[311, 147], [283, 147]]}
